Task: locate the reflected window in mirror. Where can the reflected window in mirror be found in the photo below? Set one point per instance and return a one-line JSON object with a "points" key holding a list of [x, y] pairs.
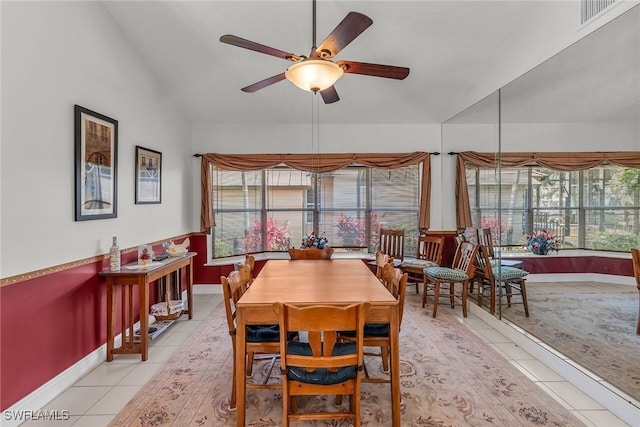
{"points": [[597, 209]]}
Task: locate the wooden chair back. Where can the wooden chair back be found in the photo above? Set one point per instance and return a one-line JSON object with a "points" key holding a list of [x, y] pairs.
{"points": [[323, 323], [310, 253], [483, 264], [465, 258], [392, 243], [381, 260], [430, 248], [395, 280], [250, 260], [233, 287], [485, 239]]}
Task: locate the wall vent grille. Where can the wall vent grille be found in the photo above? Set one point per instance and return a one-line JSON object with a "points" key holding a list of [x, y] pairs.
{"points": [[591, 8]]}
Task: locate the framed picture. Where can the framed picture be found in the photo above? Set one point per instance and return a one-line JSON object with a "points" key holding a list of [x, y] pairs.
{"points": [[96, 165], [148, 176]]}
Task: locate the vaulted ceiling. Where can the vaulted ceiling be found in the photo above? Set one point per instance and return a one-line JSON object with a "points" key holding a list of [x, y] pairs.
{"points": [[458, 52]]}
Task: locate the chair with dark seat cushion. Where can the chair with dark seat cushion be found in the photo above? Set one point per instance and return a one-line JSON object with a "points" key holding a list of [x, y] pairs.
{"points": [[461, 272], [324, 365], [261, 339], [377, 334]]}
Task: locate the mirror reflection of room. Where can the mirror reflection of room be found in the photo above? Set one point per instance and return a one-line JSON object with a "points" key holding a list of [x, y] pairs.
{"points": [[559, 143]]}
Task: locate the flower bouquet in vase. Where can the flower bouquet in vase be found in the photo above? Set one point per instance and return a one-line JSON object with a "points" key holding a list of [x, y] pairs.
{"points": [[314, 240], [541, 242]]}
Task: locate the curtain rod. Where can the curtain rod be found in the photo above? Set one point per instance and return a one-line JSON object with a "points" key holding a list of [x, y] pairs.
{"points": [[435, 153]]}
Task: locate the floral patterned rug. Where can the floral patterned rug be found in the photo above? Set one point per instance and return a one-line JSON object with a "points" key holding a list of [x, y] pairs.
{"points": [[594, 328], [449, 377]]}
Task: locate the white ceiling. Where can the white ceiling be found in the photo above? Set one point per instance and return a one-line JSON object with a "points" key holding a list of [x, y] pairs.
{"points": [[458, 52]]}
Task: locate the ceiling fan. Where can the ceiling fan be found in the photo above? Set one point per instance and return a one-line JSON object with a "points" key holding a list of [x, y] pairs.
{"points": [[317, 72]]}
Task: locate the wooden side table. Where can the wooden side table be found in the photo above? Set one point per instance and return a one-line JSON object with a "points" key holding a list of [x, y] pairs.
{"points": [[129, 276]]}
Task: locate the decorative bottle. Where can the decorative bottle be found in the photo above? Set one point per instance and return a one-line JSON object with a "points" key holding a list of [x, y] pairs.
{"points": [[114, 256]]}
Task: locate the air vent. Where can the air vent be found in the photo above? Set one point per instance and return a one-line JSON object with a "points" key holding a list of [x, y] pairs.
{"points": [[589, 9]]}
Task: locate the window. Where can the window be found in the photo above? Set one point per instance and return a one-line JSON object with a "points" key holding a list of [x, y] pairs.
{"points": [[595, 209], [271, 210]]}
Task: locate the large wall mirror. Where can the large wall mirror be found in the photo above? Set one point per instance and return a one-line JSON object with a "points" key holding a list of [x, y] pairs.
{"points": [[584, 99]]}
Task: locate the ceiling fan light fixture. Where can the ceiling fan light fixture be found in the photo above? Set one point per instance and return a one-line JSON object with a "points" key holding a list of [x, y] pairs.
{"points": [[314, 75]]}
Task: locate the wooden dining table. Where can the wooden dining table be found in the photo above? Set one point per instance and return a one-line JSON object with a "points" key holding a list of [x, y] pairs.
{"points": [[310, 282]]}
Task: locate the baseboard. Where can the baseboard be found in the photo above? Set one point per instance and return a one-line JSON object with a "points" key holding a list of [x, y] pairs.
{"points": [[50, 390]]}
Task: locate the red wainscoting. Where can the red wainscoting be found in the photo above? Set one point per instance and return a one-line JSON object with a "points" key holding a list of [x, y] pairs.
{"points": [[50, 322], [576, 264]]}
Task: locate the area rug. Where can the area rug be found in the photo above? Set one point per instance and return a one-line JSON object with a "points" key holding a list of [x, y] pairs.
{"points": [[449, 377], [595, 326]]}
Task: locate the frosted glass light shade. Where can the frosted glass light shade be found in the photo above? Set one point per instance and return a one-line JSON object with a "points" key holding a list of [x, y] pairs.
{"points": [[314, 74]]}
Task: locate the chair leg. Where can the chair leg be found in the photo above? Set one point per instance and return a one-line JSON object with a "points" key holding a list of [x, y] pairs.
{"points": [[523, 292], [424, 292], [436, 297], [452, 297], [385, 358], [465, 291], [232, 398], [250, 364]]}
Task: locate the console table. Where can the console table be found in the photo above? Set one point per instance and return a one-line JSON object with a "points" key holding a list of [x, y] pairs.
{"points": [[126, 278]]}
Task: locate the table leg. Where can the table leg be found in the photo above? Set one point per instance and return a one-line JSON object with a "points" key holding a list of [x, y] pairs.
{"points": [[190, 289], [111, 319], [143, 301], [240, 366], [395, 366]]}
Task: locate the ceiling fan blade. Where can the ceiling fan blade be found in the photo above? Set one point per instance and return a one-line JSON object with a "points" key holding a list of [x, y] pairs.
{"points": [[330, 95], [263, 83], [376, 70], [248, 44], [351, 27]]}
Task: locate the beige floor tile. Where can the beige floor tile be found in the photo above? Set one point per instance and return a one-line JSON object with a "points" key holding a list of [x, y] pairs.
{"points": [[513, 351], [604, 418], [141, 374], [539, 370], [77, 400], [114, 401], [106, 374], [573, 396], [93, 421]]}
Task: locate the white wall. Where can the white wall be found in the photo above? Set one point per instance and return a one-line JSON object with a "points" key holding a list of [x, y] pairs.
{"points": [[55, 55]]}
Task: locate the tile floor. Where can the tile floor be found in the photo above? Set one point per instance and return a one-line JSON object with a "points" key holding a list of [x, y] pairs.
{"points": [[95, 399]]}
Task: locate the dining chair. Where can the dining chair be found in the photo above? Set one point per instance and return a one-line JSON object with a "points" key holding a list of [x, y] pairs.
{"points": [[635, 256], [492, 277], [392, 244], [485, 238], [261, 339], [324, 365], [250, 260], [461, 271], [310, 253], [380, 261], [377, 334], [428, 254]]}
